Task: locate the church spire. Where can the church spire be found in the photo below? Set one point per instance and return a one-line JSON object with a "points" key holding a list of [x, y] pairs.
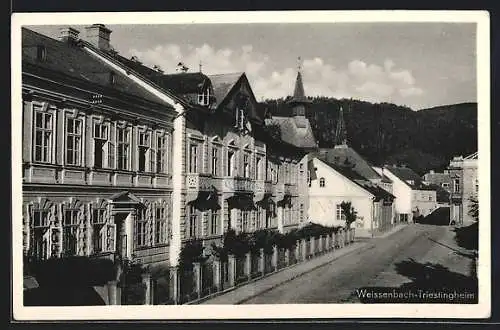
{"points": [[299, 95], [341, 131]]}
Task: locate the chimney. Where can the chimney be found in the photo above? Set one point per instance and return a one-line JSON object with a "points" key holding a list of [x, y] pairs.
{"points": [[68, 34], [98, 35]]}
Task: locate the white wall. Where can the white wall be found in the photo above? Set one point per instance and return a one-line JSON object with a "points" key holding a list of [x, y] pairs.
{"points": [[421, 200], [402, 192], [323, 200]]}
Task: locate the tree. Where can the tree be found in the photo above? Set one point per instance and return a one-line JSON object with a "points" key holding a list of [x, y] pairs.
{"points": [[474, 208], [349, 213]]}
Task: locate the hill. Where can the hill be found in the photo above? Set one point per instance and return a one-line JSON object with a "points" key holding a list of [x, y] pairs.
{"points": [[387, 133]]}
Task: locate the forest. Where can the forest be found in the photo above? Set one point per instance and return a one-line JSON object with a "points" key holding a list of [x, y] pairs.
{"points": [[386, 133]]}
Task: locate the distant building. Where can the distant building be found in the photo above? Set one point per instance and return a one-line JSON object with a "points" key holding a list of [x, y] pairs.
{"points": [[464, 186], [414, 198], [440, 179]]}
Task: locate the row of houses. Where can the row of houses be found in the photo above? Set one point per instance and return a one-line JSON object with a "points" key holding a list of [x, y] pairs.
{"points": [[123, 160]]}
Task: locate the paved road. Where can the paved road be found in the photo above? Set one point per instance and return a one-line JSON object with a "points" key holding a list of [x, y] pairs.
{"points": [[374, 265]]}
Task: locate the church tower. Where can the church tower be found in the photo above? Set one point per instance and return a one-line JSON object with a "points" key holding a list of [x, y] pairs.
{"points": [[341, 131], [298, 101]]}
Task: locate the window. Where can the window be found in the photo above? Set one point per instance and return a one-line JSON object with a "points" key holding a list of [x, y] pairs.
{"points": [[456, 185], [215, 160], [43, 137], [301, 212], [246, 165], [98, 222], [101, 136], [193, 158], [193, 221], [144, 146], [73, 141], [230, 162], [123, 136], [160, 225], [70, 232], [161, 154], [339, 214], [445, 185], [140, 228], [40, 218], [258, 168], [309, 180], [41, 52], [430, 198], [477, 185], [204, 97], [322, 182], [287, 172], [244, 225], [240, 119], [214, 222], [260, 218]]}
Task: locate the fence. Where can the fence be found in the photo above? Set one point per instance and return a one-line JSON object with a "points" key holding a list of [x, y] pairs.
{"points": [[215, 275]]}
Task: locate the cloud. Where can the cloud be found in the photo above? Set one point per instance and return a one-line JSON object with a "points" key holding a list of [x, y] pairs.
{"points": [[269, 79]]}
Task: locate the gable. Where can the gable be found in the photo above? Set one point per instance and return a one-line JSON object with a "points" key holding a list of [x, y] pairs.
{"points": [[241, 96], [335, 183]]}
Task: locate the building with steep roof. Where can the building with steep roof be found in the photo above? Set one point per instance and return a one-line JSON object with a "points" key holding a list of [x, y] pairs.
{"points": [[464, 188], [414, 198], [296, 128], [332, 184]]}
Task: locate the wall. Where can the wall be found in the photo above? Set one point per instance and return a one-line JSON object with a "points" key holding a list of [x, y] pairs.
{"points": [[323, 200], [402, 192]]}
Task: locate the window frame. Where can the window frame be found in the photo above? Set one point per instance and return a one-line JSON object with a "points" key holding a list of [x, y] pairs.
{"points": [[160, 236], [77, 150], [144, 145], [322, 182], [123, 148], [193, 160], [456, 185], [192, 222], [49, 157], [140, 226], [105, 158]]}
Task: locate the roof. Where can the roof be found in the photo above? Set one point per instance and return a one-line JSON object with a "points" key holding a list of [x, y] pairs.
{"points": [[472, 156], [73, 61], [356, 178], [295, 130], [223, 84], [406, 174], [345, 154]]}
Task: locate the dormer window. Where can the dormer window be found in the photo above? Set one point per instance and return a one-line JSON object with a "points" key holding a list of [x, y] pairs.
{"points": [[204, 97], [41, 53]]}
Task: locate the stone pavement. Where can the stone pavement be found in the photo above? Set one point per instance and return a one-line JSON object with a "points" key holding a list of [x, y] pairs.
{"points": [[247, 291]]}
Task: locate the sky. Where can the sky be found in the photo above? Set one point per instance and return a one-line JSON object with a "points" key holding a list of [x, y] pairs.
{"points": [[419, 65]]}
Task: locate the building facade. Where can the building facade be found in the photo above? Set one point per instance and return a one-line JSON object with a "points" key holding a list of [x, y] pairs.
{"points": [[96, 157], [464, 186], [414, 198], [124, 160], [440, 179], [332, 184]]}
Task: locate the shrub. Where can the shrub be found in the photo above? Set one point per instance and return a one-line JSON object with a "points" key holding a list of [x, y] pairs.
{"points": [[192, 251], [349, 213]]}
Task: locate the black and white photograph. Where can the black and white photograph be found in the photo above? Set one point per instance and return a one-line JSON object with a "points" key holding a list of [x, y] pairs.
{"points": [[202, 165]]}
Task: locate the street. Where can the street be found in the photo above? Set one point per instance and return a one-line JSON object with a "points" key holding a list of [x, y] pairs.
{"points": [[416, 257]]}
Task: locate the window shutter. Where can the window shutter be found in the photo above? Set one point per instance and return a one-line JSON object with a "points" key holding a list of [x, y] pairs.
{"points": [[108, 237], [152, 160], [55, 239], [111, 155], [48, 241]]}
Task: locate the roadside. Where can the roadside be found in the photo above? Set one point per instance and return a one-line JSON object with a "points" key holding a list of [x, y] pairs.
{"points": [[241, 294]]}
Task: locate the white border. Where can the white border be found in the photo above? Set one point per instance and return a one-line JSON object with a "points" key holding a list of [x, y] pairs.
{"points": [[480, 310]]}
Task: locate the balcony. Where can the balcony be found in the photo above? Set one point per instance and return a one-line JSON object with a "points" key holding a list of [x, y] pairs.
{"points": [[198, 182], [238, 184], [291, 189]]}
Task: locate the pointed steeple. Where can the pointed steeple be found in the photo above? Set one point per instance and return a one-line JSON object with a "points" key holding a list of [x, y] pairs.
{"points": [[341, 132], [299, 99]]}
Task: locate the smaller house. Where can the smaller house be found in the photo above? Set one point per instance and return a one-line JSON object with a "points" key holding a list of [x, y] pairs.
{"points": [[332, 184], [415, 199], [442, 180]]}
